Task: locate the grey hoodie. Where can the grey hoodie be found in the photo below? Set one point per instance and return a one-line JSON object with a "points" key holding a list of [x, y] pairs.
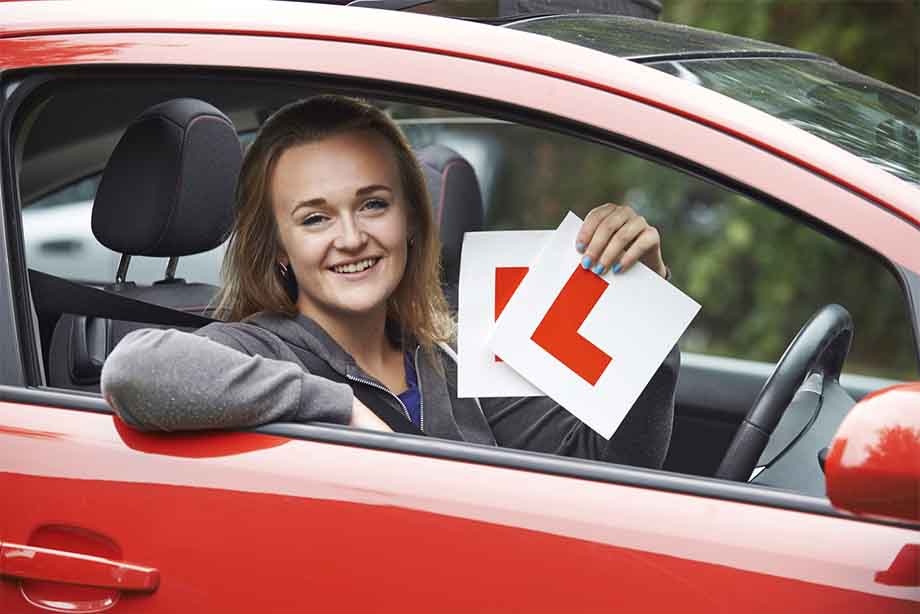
{"points": [[242, 374]]}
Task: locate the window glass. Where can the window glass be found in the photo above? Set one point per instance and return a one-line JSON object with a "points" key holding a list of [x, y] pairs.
{"points": [[59, 240], [759, 274], [868, 118]]}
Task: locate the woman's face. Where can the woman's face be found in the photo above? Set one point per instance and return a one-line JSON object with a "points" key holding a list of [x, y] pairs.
{"points": [[342, 217]]}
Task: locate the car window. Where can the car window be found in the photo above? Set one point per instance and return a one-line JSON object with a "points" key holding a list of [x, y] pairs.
{"points": [[868, 118], [59, 240], [758, 273]]}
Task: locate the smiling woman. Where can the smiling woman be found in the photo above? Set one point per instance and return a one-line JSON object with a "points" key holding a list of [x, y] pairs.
{"points": [[331, 183], [334, 309]]}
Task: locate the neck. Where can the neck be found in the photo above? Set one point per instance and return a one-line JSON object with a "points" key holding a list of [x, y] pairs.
{"points": [[363, 336]]}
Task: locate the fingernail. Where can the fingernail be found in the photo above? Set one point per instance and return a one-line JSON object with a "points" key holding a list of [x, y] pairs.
{"points": [[580, 247], [586, 262], [616, 268], [598, 268]]}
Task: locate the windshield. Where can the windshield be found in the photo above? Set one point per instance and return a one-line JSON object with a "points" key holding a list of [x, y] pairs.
{"points": [[868, 118]]}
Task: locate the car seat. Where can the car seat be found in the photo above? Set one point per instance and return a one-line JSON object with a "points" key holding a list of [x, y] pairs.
{"points": [[457, 207], [167, 191]]}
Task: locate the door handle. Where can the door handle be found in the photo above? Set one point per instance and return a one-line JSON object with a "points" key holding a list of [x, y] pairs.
{"points": [[33, 563]]}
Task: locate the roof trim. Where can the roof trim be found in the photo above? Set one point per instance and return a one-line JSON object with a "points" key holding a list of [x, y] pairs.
{"points": [[727, 55]]}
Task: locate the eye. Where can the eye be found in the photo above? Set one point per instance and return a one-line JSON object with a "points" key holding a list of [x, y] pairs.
{"points": [[313, 220], [375, 204]]}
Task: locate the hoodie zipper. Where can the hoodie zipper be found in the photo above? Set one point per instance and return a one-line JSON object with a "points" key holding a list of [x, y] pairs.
{"points": [[421, 397], [384, 389]]}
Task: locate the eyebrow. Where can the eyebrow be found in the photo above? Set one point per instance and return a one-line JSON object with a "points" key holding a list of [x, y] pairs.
{"points": [[318, 202]]}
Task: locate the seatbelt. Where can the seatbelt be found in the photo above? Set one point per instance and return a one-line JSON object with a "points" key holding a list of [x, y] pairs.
{"points": [[57, 295]]}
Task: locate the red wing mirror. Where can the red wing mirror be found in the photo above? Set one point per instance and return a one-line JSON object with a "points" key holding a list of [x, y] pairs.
{"points": [[873, 466]]}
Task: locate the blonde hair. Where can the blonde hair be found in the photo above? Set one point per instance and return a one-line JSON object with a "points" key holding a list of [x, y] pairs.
{"points": [[252, 279]]}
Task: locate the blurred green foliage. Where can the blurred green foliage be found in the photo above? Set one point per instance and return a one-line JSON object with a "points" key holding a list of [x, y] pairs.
{"points": [[758, 272], [880, 38]]}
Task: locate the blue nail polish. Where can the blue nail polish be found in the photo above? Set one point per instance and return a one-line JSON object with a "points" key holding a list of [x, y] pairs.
{"points": [[598, 268], [580, 247], [617, 268], [586, 262]]}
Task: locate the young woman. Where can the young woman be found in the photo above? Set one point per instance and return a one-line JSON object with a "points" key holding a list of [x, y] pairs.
{"points": [[332, 305]]}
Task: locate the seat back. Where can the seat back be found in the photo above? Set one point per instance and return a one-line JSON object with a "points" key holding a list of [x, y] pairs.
{"points": [[456, 201], [167, 191]]}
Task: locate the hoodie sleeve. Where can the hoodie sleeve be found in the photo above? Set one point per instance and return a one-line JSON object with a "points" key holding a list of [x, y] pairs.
{"points": [[542, 425], [168, 380]]}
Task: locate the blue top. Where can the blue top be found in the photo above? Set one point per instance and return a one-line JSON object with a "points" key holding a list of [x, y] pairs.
{"points": [[411, 398]]}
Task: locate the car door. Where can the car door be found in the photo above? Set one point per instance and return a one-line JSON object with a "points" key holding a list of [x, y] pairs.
{"points": [[323, 517]]}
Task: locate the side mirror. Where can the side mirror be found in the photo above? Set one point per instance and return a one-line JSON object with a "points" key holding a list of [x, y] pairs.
{"points": [[873, 467]]}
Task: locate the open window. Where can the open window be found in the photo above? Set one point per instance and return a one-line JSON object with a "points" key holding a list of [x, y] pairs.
{"points": [[758, 268]]}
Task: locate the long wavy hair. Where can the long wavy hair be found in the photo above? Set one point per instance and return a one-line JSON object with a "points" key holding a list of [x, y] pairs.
{"points": [[252, 278]]}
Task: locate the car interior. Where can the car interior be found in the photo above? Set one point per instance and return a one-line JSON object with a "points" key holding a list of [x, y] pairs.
{"points": [[164, 149]]}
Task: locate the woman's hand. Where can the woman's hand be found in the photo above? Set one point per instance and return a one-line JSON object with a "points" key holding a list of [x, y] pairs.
{"points": [[615, 236], [364, 418]]}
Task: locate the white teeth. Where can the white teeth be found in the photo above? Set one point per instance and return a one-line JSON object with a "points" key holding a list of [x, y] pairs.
{"points": [[355, 267]]}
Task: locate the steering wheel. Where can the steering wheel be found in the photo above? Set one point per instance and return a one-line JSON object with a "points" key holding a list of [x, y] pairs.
{"points": [[821, 346]]}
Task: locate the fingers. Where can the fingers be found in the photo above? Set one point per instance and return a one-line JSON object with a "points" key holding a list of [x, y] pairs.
{"points": [[592, 220], [363, 417], [648, 241], [601, 225], [610, 237], [634, 237]]}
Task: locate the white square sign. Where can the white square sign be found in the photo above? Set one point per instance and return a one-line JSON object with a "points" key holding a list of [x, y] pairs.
{"points": [[492, 264], [590, 342]]}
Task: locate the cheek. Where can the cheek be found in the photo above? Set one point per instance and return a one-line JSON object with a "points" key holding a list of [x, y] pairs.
{"points": [[304, 252]]}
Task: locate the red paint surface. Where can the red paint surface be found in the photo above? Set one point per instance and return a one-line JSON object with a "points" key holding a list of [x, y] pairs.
{"points": [[507, 280], [874, 463], [557, 332], [904, 570], [321, 527], [34, 563]]}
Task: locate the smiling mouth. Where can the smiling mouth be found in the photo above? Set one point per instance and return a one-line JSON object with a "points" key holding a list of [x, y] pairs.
{"points": [[356, 267]]}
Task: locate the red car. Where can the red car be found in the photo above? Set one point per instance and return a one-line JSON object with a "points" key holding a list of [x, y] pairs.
{"points": [[789, 486]]}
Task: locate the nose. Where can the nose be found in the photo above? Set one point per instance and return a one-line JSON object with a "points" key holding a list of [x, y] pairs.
{"points": [[351, 236]]}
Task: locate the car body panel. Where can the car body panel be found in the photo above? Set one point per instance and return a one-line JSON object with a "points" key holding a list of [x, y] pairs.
{"points": [[205, 509]]}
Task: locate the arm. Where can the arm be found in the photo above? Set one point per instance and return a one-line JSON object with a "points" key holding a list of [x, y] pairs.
{"points": [[170, 380], [542, 425]]}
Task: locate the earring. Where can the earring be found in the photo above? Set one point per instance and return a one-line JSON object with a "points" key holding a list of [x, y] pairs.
{"points": [[289, 281], [410, 241]]}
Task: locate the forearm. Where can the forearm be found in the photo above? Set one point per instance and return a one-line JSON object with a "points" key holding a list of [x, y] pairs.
{"points": [[169, 380], [542, 425]]}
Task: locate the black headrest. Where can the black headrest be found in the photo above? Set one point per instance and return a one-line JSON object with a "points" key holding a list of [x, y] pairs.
{"points": [[168, 189], [456, 200]]}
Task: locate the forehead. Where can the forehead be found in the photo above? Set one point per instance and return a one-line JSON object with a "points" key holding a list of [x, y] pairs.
{"points": [[340, 163]]}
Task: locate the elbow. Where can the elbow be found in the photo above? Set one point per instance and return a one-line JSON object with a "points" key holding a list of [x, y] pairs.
{"points": [[123, 381]]}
